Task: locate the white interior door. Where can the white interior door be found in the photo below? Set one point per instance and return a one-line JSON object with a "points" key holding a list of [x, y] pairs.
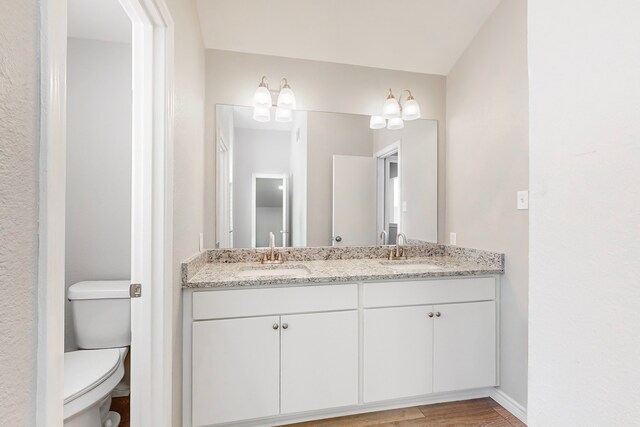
{"points": [[354, 200]]}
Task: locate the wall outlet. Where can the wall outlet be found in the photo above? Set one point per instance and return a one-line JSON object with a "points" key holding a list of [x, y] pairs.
{"points": [[523, 200], [452, 238], [201, 246]]}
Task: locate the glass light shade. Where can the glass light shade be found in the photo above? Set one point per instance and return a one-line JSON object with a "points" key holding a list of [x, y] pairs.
{"points": [[391, 108], [410, 110], [395, 123], [377, 122], [262, 98], [261, 114], [284, 115], [286, 99]]}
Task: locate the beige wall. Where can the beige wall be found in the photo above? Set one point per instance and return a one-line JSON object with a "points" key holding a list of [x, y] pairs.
{"points": [[319, 86], [584, 62], [487, 163], [19, 146], [329, 134], [189, 81]]}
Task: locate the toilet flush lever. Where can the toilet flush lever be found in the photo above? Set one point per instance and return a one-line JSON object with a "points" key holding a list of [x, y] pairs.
{"points": [[135, 290]]}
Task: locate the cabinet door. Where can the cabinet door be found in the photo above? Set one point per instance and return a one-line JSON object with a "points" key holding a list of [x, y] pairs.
{"points": [[319, 366], [235, 369], [464, 346], [398, 352]]}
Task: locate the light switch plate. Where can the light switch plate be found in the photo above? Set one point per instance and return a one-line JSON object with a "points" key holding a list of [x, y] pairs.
{"points": [[523, 200], [452, 238], [404, 206], [201, 244]]}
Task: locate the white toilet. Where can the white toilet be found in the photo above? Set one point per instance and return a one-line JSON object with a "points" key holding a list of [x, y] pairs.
{"points": [[102, 324]]}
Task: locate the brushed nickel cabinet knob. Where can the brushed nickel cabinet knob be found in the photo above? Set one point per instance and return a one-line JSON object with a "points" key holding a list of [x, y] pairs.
{"points": [[430, 314], [275, 326], [285, 326], [438, 314]]}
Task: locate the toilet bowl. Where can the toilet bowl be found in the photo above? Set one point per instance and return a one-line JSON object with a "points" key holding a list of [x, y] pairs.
{"points": [[101, 321], [89, 378]]}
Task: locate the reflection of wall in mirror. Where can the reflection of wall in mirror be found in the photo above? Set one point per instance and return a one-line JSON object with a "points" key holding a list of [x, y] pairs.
{"points": [[330, 134], [418, 176]]}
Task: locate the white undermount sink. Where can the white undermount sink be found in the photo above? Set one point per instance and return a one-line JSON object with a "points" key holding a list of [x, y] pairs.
{"points": [[411, 267], [273, 272]]}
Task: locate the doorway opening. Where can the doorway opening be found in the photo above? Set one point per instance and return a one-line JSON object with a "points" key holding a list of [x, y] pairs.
{"points": [[146, 171], [269, 210]]}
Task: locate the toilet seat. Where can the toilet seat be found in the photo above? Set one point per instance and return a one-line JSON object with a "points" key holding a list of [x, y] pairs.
{"points": [[90, 376]]}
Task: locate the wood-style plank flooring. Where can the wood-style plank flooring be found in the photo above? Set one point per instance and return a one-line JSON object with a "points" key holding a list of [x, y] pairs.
{"points": [[469, 413], [121, 406]]}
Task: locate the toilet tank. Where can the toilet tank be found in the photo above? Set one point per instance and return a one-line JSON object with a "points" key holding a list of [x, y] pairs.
{"points": [[101, 313]]}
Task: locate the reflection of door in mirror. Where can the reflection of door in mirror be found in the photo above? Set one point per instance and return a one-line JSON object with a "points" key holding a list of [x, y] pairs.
{"points": [[354, 200], [269, 210], [388, 193], [224, 204]]}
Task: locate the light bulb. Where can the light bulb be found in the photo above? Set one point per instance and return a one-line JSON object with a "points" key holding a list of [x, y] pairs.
{"points": [[395, 123], [377, 122], [284, 115], [410, 110], [391, 108], [286, 98], [262, 97], [261, 114]]}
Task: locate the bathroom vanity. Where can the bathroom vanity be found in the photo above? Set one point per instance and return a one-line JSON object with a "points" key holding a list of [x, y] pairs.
{"points": [[318, 336]]}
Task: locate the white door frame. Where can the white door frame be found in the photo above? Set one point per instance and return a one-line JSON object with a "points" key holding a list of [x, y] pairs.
{"points": [[285, 207], [152, 207]]}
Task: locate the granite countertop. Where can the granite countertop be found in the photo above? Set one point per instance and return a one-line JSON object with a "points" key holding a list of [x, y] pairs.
{"points": [[233, 274]]}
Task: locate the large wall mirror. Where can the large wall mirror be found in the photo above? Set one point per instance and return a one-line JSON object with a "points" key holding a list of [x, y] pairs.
{"points": [[323, 179]]}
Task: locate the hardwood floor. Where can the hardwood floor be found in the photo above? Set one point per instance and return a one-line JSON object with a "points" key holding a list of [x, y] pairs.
{"points": [[121, 406], [477, 412]]}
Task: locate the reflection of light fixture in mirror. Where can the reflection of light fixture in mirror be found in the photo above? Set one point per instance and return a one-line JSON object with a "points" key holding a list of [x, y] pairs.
{"points": [[395, 110], [261, 114], [263, 101], [284, 115], [377, 122], [395, 123]]}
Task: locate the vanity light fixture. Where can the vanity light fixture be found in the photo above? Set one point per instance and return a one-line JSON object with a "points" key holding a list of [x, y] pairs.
{"points": [[263, 101], [394, 112]]}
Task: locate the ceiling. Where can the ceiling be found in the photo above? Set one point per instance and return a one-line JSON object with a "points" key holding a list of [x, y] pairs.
{"points": [[425, 36], [102, 20]]}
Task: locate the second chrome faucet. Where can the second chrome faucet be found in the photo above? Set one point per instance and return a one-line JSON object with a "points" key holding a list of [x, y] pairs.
{"points": [[399, 252]]}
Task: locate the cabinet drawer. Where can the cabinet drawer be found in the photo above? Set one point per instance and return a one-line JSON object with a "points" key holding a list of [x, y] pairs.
{"points": [[419, 292], [261, 302]]}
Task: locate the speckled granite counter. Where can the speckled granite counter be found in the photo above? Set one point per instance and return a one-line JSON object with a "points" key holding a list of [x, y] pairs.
{"points": [[233, 268]]}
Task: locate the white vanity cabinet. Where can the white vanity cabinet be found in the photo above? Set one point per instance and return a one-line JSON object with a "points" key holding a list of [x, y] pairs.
{"points": [[260, 366], [269, 356], [319, 354], [236, 366]]}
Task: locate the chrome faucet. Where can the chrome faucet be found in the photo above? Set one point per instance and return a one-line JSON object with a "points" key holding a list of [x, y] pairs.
{"points": [[272, 257], [383, 237], [400, 252]]}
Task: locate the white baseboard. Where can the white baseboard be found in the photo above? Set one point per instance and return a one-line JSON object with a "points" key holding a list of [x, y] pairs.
{"points": [[509, 404]]}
